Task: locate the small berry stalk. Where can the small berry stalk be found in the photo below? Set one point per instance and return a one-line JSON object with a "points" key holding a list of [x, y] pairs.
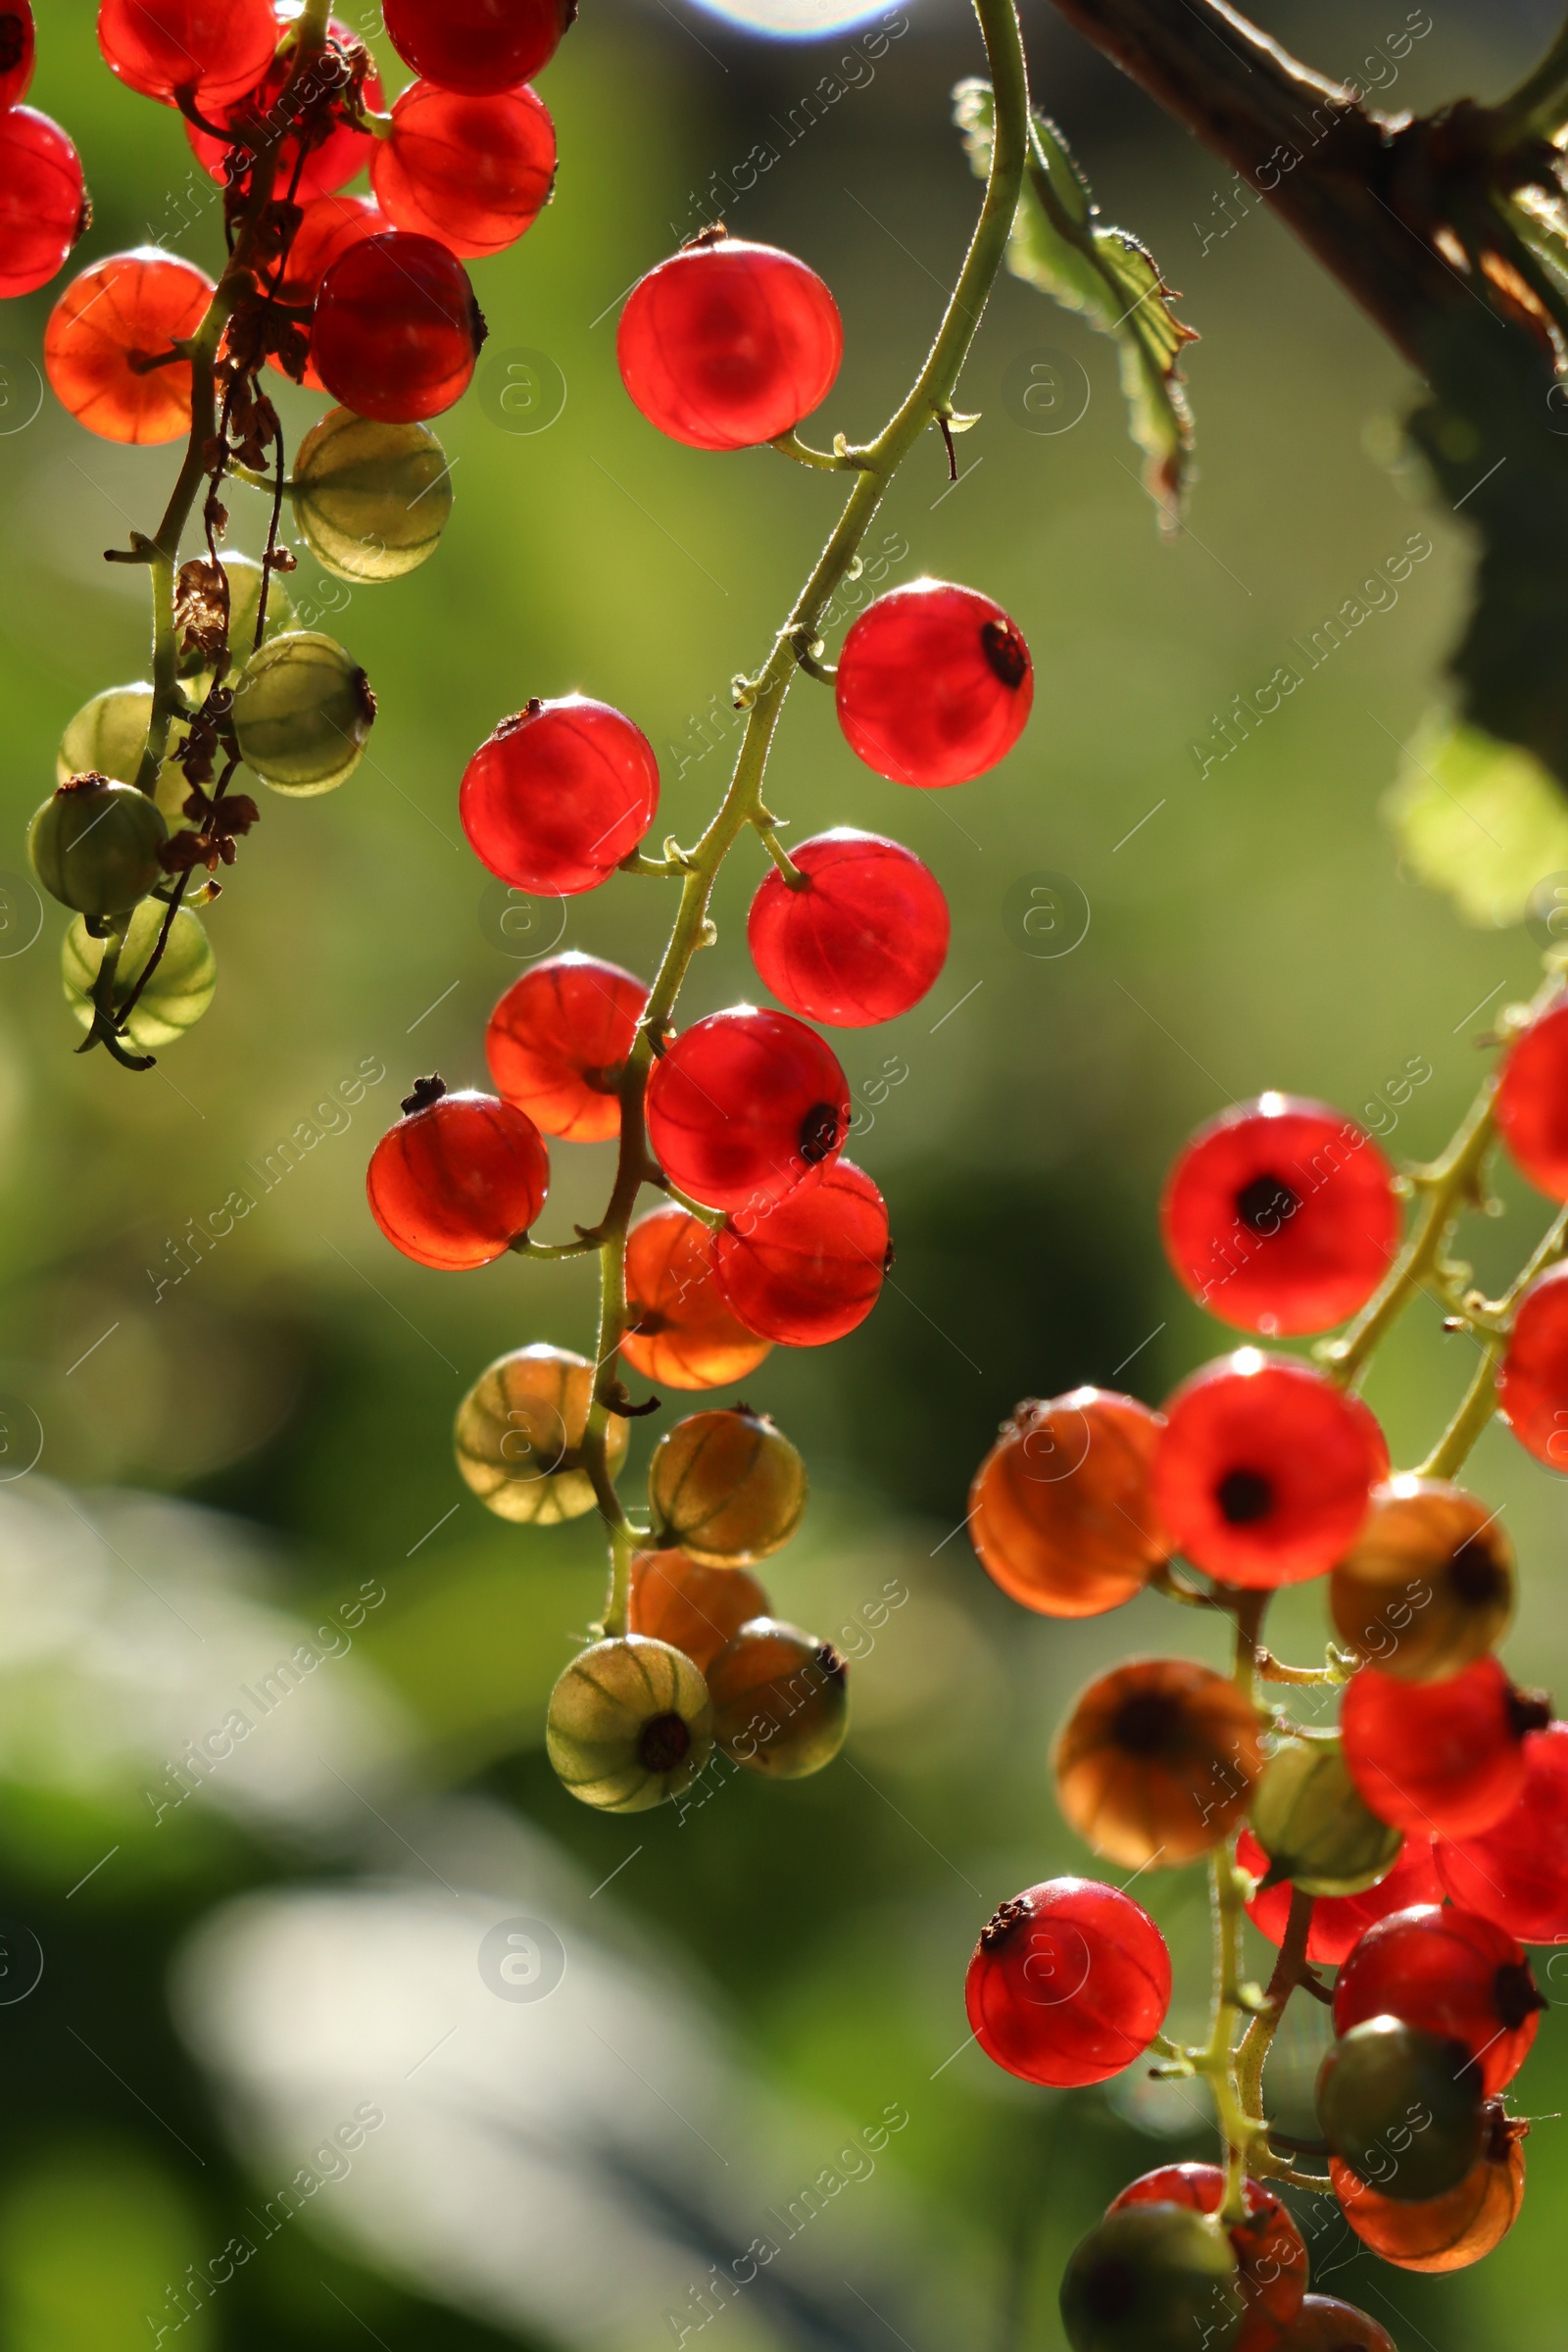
{"points": [[1416, 1848]]}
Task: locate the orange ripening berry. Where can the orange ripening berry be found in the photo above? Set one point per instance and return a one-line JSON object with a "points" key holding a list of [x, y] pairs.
{"points": [[1450, 2232], [108, 346], [683, 1334], [695, 1609], [1157, 1761], [1061, 1513]]}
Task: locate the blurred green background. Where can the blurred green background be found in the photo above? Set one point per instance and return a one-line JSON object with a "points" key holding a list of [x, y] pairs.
{"points": [[1247, 927]]}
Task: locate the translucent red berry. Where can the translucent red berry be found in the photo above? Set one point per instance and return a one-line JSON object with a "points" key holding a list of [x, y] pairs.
{"points": [[329, 227], [397, 331], [477, 44], [558, 795], [695, 1609], [1340, 1921], [213, 49], [1265, 1469], [864, 937], [1450, 2232], [1515, 1870], [743, 1104], [683, 1332], [1446, 1758], [1530, 1103], [43, 200], [728, 344], [326, 166], [16, 47], [1069, 1983], [1061, 1513], [559, 1040], [1157, 1761], [808, 1268], [1270, 2251], [1452, 1974], [106, 347], [458, 1178], [934, 684], [1533, 1377], [1280, 1215], [472, 172], [1326, 2324]]}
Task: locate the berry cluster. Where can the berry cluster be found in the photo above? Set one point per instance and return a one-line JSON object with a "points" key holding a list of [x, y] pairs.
{"points": [[770, 1236], [361, 297], [1418, 1847]]}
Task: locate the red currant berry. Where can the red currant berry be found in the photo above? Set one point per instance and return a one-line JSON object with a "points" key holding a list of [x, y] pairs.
{"points": [[1059, 1512], [1157, 1761], [1265, 1469], [1452, 1974], [17, 46], [472, 172], [683, 1332], [934, 684], [458, 1178], [744, 1104], [213, 49], [1427, 1588], [397, 331], [1270, 2251], [1443, 1759], [1069, 1983], [559, 1040], [558, 795], [1533, 1377], [864, 937], [43, 201], [1280, 1215], [1325, 2325], [329, 227], [1448, 2233], [809, 1268], [108, 335], [781, 1700], [1530, 1103], [477, 45], [695, 1609], [326, 167], [1340, 1921], [727, 344], [1515, 1872]]}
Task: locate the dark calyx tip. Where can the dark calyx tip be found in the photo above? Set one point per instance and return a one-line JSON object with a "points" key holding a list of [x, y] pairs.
{"points": [[425, 1092], [1244, 1495], [1516, 1993], [665, 1742], [1477, 1576], [88, 781], [828, 1663], [364, 696], [1003, 1922], [1528, 1712], [1006, 652], [713, 234]]}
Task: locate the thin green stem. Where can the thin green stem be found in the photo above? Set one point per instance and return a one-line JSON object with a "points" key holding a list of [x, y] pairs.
{"points": [[1475, 1408]]}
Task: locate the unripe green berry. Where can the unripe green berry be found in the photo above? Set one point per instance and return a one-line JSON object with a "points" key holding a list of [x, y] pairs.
{"points": [[108, 736], [371, 500], [179, 990], [1402, 2108], [629, 1724], [94, 846], [726, 1487], [1152, 2279], [1311, 1821], [519, 1435], [303, 709]]}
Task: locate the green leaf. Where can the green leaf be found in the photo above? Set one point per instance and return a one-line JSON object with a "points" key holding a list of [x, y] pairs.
{"points": [[1107, 277], [1482, 821]]}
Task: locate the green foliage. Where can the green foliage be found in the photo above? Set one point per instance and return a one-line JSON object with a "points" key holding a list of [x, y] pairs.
{"points": [[91, 2240], [1479, 819]]}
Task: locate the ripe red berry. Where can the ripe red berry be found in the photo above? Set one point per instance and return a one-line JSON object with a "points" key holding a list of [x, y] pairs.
{"points": [[1280, 1215], [1452, 1974], [43, 200], [1515, 1870], [558, 795], [17, 46], [472, 172], [1069, 1983], [862, 942], [397, 331], [728, 344], [743, 1104], [1060, 1514], [1265, 1468], [458, 1178], [1443, 1759], [1270, 2251], [809, 1268], [559, 1040], [1531, 1105], [477, 45], [213, 49], [329, 227], [1451, 2231], [1340, 1921], [109, 331], [683, 1334], [326, 167], [934, 684], [1533, 1377], [1325, 2325]]}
